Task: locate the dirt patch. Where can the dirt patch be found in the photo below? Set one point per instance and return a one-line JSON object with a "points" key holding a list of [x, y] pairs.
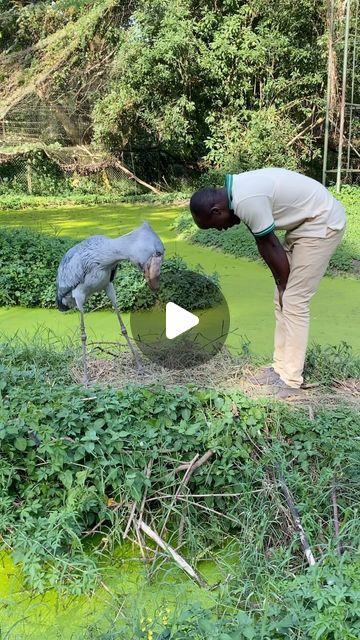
{"points": [[118, 369], [224, 371]]}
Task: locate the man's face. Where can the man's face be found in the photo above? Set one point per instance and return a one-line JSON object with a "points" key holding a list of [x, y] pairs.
{"points": [[217, 219]]}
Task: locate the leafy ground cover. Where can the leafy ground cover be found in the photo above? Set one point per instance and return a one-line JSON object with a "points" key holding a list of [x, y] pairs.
{"points": [[239, 242], [77, 460]]}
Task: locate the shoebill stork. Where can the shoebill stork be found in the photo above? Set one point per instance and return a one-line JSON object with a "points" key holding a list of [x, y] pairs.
{"points": [[90, 266]]}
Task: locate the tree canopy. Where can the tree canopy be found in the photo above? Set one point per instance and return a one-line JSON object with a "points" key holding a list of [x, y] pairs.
{"points": [[224, 84]]}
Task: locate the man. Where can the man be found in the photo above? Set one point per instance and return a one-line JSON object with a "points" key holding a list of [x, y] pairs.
{"points": [[266, 200]]}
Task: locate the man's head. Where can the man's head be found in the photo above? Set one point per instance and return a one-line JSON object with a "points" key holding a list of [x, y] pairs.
{"points": [[210, 210]]}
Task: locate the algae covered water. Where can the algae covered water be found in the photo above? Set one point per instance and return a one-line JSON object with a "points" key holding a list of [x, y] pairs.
{"points": [[247, 286], [122, 600]]}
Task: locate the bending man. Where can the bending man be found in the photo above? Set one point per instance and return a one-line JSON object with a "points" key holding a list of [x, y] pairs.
{"points": [[270, 199]]}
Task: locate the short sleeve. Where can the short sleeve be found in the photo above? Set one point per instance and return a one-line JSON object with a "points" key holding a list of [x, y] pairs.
{"points": [[256, 213]]}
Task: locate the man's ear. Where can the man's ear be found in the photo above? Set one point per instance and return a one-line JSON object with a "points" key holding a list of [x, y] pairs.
{"points": [[215, 210]]}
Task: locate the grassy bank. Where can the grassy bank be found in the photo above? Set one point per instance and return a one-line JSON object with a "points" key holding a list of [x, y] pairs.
{"points": [[77, 461], [13, 201]]}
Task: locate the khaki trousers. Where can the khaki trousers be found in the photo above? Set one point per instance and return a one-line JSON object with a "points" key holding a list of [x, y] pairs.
{"points": [[308, 259]]}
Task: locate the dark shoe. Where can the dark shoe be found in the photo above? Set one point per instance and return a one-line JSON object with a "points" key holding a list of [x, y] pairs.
{"points": [[265, 377], [287, 393]]}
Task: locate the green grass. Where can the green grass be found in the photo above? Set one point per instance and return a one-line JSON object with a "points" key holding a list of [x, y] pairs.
{"points": [[247, 286]]}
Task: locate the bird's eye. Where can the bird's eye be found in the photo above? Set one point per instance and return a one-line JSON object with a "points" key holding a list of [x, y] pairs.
{"points": [[158, 253]]}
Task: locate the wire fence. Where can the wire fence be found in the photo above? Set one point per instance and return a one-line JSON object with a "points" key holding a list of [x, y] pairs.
{"points": [[37, 157], [37, 173]]}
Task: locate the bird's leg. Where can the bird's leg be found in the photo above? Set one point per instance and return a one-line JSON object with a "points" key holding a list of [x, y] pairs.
{"points": [[83, 341], [79, 298], [110, 292]]}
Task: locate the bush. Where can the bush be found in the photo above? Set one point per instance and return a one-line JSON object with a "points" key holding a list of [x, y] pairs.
{"points": [[29, 262]]}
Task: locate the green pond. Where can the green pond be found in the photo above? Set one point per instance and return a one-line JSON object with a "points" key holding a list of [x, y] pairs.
{"points": [[247, 286], [124, 597]]}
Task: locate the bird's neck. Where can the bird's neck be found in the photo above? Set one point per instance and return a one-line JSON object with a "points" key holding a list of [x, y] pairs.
{"points": [[122, 247]]}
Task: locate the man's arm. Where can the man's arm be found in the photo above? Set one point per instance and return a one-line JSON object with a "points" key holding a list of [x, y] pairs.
{"points": [[271, 250]]}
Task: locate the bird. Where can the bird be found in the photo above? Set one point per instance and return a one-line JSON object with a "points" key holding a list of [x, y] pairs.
{"points": [[90, 266]]}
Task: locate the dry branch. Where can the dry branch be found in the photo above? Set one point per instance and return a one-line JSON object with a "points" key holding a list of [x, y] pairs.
{"points": [[297, 523], [336, 516], [198, 463], [129, 522], [308, 128], [180, 561], [131, 175], [142, 506], [179, 489], [147, 473]]}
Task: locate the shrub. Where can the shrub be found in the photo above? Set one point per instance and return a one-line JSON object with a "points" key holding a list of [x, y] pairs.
{"points": [[29, 262]]}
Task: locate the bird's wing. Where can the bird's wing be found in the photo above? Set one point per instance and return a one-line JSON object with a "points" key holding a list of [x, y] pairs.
{"points": [[77, 263], [71, 272]]}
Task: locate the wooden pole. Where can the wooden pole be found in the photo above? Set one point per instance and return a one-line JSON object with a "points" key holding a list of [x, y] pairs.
{"points": [[328, 89], [28, 177], [343, 96], [353, 72]]}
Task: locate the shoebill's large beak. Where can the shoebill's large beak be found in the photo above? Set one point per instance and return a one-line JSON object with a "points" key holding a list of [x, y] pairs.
{"points": [[152, 271]]}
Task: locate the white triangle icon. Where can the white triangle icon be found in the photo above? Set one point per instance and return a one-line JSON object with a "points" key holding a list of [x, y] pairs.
{"points": [[178, 320]]}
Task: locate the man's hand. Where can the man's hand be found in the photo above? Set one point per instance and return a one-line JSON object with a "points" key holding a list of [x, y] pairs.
{"points": [[272, 251]]}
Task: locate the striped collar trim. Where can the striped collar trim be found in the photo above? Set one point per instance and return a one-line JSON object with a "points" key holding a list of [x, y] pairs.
{"points": [[229, 178]]}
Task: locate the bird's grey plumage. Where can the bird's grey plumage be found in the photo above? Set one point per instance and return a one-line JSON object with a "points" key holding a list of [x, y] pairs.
{"points": [[90, 265]]}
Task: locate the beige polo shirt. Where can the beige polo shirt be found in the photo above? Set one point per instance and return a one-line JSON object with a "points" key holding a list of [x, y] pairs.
{"points": [[270, 199]]}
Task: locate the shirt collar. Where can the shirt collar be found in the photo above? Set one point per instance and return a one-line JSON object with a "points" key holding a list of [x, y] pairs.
{"points": [[228, 186]]}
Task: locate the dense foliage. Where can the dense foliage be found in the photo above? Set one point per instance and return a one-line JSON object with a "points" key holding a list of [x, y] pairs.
{"points": [[169, 84], [29, 262], [231, 81], [238, 240], [74, 459]]}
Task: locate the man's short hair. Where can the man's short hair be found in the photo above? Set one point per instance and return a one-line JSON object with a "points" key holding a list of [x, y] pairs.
{"points": [[202, 201]]}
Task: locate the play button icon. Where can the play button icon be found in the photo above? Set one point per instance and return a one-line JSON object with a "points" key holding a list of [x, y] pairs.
{"points": [[178, 320], [187, 325]]}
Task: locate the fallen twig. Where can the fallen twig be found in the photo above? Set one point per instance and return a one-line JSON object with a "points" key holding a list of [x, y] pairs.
{"points": [[180, 561], [147, 474], [140, 542], [297, 523], [195, 465], [178, 491], [336, 516], [129, 522]]}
